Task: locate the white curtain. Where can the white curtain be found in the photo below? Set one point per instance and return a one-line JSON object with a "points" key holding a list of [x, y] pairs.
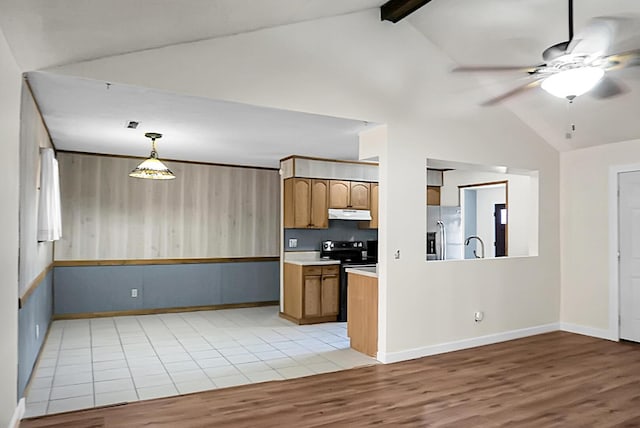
{"points": [[49, 211]]}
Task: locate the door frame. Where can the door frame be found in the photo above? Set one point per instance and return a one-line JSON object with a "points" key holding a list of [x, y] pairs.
{"points": [[489, 184], [614, 247]]}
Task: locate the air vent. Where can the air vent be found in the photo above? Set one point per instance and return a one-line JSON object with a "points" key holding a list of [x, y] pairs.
{"points": [[132, 124]]}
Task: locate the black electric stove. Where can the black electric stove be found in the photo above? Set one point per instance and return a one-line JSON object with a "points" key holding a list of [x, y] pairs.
{"points": [[351, 254]]}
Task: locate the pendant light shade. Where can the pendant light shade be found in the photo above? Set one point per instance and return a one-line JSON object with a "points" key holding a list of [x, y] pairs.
{"points": [[152, 168]]}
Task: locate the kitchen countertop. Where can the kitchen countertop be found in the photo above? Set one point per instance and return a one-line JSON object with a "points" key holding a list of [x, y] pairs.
{"points": [[307, 258], [364, 271]]}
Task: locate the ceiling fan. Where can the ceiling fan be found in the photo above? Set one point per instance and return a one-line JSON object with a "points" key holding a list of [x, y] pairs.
{"points": [[574, 67]]}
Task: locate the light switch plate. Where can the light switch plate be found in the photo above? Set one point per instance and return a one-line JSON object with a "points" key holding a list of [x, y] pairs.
{"points": [[134, 292], [293, 243]]}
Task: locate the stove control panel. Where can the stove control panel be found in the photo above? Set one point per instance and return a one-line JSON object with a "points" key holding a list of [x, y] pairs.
{"points": [[328, 246]]}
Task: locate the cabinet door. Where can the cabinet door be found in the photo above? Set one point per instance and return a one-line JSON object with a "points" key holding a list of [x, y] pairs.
{"points": [[360, 195], [301, 202], [312, 296], [319, 204], [373, 224], [433, 195], [339, 192], [330, 295]]}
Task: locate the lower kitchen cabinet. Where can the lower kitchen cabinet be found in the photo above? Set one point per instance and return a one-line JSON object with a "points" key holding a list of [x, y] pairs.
{"points": [[311, 293]]}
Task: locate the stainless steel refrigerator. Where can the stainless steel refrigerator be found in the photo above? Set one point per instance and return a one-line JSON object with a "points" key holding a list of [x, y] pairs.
{"points": [[444, 233]]}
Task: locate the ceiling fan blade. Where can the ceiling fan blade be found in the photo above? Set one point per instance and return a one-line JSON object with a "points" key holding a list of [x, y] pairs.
{"points": [[608, 88], [515, 91], [489, 69], [623, 59]]}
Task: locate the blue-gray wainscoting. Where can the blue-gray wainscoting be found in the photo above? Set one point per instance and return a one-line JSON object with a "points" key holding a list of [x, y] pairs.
{"points": [[37, 309], [83, 289]]}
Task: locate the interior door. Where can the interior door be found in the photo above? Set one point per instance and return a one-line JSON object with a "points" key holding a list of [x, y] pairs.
{"points": [[629, 265], [500, 219]]}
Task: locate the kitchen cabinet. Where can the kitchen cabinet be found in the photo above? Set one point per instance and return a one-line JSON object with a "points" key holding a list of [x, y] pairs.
{"points": [[311, 293], [373, 206], [305, 203], [433, 195], [349, 194]]}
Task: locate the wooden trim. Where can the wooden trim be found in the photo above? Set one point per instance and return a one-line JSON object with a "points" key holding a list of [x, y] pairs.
{"points": [[304, 321], [396, 10], [137, 262], [75, 152], [25, 78], [488, 183], [34, 285], [294, 157], [27, 387], [164, 310]]}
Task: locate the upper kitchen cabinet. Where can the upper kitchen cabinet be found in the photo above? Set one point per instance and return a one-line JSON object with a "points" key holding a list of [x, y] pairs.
{"points": [[349, 194], [373, 204], [433, 195], [305, 203]]}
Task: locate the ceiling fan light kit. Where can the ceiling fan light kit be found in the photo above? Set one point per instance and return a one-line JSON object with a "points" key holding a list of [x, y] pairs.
{"points": [[574, 67], [573, 82], [152, 168]]}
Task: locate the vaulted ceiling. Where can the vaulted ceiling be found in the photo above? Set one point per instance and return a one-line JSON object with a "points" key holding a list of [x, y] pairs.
{"points": [[479, 32]]}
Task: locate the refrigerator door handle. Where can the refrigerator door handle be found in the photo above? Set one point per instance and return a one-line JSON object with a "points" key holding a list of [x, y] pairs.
{"points": [[443, 241]]}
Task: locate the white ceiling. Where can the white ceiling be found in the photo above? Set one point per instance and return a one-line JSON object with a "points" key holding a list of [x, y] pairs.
{"points": [[47, 33], [90, 116], [470, 32], [516, 32]]}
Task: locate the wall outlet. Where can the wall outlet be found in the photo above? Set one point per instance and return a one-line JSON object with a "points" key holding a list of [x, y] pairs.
{"points": [[478, 316], [134, 292], [37, 331], [293, 243]]}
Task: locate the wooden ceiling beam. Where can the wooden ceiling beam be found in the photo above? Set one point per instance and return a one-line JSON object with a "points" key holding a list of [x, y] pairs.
{"points": [[395, 10]]}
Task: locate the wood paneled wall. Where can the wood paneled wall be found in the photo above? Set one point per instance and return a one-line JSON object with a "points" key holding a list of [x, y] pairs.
{"points": [[207, 211], [35, 256]]}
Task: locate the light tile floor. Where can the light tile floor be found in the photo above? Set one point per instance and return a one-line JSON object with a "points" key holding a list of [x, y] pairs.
{"points": [[96, 362]]}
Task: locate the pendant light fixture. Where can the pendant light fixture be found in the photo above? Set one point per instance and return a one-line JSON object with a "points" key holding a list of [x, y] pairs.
{"points": [[152, 168]]}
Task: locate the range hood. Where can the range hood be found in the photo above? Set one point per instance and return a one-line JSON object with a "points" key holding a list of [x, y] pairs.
{"points": [[336, 214]]}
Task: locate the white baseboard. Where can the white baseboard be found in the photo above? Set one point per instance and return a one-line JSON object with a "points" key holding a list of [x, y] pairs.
{"points": [[410, 354], [17, 414], [588, 331]]}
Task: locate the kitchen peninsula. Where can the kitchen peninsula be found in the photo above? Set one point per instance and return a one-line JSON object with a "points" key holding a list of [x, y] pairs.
{"points": [[362, 302]]}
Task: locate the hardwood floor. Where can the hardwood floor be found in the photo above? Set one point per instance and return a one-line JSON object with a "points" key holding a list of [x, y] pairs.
{"points": [[551, 380]]}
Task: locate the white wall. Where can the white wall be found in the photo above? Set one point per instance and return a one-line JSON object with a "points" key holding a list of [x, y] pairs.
{"points": [[585, 224], [35, 257], [10, 84], [355, 66]]}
